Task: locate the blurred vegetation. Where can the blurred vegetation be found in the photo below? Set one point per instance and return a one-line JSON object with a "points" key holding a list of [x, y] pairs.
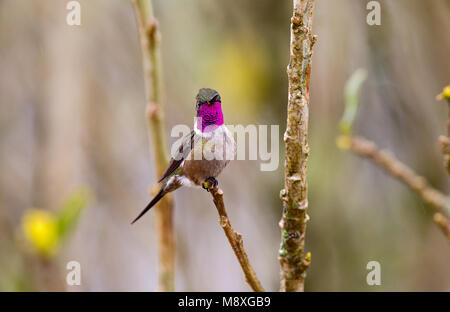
{"points": [[45, 231], [352, 91], [72, 113], [37, 243]]}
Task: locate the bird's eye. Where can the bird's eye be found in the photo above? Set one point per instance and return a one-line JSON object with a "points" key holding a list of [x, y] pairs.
{"points": [[215, 99], [198, 104]]}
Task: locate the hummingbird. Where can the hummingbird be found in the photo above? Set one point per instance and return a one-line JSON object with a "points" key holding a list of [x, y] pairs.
{"points": [[204, 152]]}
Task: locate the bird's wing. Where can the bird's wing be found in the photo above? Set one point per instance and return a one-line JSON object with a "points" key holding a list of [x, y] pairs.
{"points": [[183, 151]]}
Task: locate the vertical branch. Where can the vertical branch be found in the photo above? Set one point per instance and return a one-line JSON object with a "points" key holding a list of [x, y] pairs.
{"points": [[294, 194], [150, 37]]}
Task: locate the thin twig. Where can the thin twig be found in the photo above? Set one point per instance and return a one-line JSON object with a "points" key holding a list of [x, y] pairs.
{"points": [[443, 223], [294, 195], [387, 161], [445, 140], [149, 38], [235, 240]]}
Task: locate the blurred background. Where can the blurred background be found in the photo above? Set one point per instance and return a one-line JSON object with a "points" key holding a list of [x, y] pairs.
{"points": [[72, 118]]}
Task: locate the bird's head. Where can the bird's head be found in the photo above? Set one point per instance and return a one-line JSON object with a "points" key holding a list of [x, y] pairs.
{"points": [[207, 96], [209, 108]]}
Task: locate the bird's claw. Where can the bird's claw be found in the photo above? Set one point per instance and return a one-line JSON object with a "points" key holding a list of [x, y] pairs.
{"points": [[209, 182]]}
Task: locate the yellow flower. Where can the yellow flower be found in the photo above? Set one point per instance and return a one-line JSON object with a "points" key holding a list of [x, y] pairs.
{"points": [[445, 94], [41, 231], [308, 256]]}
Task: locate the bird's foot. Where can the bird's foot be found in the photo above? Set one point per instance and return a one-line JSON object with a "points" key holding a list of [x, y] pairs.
{"points": [[210, 182]]}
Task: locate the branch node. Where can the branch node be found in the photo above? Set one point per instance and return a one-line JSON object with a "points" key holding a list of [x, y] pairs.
{"points": [[153, 111], [443, 224], [295, 20]]}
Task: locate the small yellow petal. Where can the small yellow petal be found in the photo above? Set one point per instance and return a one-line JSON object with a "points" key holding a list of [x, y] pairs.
{"points": [[445, 94], [308, 256], [41, 231]]}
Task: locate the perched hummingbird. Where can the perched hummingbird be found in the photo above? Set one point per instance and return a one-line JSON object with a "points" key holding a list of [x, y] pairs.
{"points": [[203, 153]]}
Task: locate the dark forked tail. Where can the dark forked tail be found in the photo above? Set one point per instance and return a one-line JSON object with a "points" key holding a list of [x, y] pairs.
{"points": [[156, 199]]}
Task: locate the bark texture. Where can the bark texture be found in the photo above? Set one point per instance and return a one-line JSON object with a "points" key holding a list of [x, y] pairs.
{"points": [[294, 195]]}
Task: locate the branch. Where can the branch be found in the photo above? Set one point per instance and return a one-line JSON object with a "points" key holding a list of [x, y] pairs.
{"points": [[149, 38], [387, 161], [445, 140], [443, 223], [235, 240], [294, 194]]}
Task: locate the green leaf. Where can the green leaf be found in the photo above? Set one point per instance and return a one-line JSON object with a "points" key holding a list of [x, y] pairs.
{"points": [[70, 211], [352, 90]]}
